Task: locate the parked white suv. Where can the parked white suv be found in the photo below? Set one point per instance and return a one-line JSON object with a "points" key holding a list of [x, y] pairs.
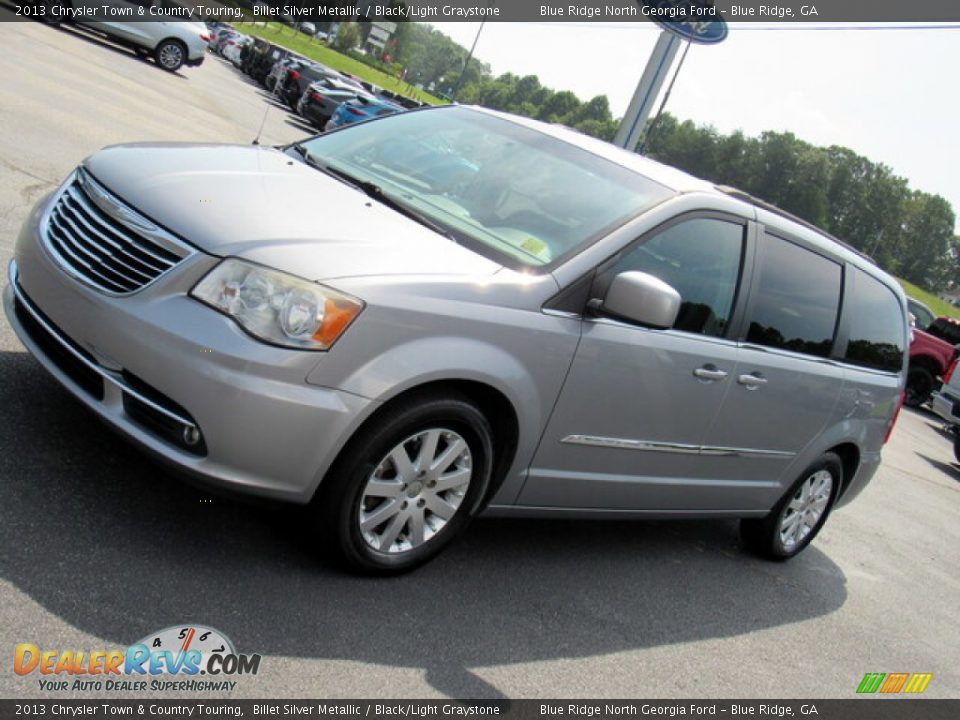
{"points": [[171, 44]]}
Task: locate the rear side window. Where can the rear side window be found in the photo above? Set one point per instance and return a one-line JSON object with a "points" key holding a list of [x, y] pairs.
{"points": [[797, 299], [876, 324], [700, 258]]}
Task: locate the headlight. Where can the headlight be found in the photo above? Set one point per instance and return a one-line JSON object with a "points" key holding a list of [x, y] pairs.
{"points": [[276, 307]]}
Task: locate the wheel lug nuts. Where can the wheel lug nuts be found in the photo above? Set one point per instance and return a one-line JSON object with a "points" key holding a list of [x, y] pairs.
{"points": [[432, 483], [421, 502], [405, 503]]}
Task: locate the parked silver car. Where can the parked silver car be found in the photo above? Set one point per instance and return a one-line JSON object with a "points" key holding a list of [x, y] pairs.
{"points": [[946, 404], [418, 318], [172, 44]]}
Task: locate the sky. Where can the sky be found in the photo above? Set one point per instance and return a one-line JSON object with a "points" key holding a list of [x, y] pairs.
{"points": [[888, 94]]}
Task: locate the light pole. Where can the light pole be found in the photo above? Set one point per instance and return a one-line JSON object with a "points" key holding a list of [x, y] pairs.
{"points": [[463, 70]]}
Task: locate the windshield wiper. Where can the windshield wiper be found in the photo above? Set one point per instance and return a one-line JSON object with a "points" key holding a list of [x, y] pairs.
{"points": [[374, 191]]}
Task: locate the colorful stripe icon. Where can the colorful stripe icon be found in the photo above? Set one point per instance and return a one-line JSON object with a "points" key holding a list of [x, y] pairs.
{"points": [[891, 683]]}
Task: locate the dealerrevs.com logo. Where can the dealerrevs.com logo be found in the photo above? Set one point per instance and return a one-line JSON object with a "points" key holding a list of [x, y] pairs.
{"points": [[168, 660]]}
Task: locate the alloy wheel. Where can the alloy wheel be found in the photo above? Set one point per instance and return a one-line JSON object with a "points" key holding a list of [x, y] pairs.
{"points": [[415, 490], [805, 509], [171, 56]]}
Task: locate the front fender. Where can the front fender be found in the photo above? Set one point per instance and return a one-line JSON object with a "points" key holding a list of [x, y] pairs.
{"points": [[449, 358]]}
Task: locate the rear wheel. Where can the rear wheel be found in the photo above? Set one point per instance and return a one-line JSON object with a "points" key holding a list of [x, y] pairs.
{"points": [[55, 11], [170, 55], [406, 486], [920, 384], [795, 521]]}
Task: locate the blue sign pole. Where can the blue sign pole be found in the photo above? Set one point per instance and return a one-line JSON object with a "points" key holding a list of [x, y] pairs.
{"points": [[692, 20], [658, 67]]}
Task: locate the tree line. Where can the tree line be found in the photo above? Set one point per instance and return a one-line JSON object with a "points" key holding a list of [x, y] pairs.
{"points": [[908, 232]]}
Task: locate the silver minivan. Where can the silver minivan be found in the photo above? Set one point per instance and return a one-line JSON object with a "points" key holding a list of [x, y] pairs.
{"points": [[409, 321]]}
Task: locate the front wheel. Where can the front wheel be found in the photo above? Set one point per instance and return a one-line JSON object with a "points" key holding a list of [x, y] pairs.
{"points": [[920, 385], [406, 486], [170, 55], [55, 11], [795, 521]]}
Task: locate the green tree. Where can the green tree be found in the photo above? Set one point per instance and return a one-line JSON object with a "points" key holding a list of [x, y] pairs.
{"points": [[348, 37]]}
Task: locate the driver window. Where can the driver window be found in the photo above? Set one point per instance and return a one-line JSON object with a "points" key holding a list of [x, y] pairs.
{"points": [[701, 259]]}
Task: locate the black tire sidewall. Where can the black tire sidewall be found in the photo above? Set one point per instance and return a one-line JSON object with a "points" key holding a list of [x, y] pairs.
{"points": [[918, 375], [159, 50], [340, 494], [764, 535], [51, 19]]}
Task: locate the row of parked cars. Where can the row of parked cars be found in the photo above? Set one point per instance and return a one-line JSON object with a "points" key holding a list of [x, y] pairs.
{"points": [[933, 376], [934, 349], [325, 98]]}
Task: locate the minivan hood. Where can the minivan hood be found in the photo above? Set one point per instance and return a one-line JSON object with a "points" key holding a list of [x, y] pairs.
{"points": [[260, 204]]}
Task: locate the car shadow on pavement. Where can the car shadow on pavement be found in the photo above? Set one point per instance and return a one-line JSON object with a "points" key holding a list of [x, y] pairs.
{"points": [[951, 470], [300, 125], [941, 428], [109, 542], [272, 100]]}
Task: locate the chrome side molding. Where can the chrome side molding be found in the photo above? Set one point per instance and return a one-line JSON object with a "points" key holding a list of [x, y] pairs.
{"points": [[651, 446]]}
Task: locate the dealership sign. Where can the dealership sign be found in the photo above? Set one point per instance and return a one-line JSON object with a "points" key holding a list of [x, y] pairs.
{"points": [[694, 20]]}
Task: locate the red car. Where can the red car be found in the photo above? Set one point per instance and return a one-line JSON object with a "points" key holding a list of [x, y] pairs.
{"points": [[930, 357]]}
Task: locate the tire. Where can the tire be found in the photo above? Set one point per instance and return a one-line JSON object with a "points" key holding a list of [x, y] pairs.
{"points": [[170, 55], [775, 537], [956, 446], [920, 385], [51, 19], [380, 510]]}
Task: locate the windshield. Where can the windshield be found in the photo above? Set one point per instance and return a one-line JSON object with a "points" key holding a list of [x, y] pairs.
{"points": [[505, 190]]}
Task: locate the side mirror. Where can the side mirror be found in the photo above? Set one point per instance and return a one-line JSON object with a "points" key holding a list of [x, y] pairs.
{"points": [[642, 299]]}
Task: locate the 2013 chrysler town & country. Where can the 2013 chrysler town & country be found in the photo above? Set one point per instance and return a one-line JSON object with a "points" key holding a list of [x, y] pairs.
{"points": [[412, 320]]}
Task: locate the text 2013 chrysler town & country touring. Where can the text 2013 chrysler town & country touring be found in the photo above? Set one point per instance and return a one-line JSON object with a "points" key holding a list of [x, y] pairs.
{"points": [[415, 319]]}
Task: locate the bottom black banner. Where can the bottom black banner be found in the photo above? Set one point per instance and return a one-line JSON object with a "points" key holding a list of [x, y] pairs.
{"points": [[860, 709]]}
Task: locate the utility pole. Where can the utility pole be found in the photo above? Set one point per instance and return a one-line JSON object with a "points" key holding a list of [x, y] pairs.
{"points": [[463, 70]]}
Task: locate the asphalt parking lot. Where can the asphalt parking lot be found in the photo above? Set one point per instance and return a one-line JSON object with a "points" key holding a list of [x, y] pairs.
{"points": [[99, 546]]}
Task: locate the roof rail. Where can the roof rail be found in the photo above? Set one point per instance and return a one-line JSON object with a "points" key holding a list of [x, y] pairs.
{"points": [[770, 207]]}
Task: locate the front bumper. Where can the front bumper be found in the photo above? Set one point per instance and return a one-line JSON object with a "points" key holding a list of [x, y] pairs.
{"points": [[160, 367], [947, 407]]}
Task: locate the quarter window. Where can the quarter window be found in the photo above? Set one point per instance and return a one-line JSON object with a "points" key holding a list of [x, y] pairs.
{"points": [[700, 258], [797, 299], [876, 324]]}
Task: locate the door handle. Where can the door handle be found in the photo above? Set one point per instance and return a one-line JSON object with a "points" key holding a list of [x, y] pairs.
{"points": [[752, 381], [710, 372]]}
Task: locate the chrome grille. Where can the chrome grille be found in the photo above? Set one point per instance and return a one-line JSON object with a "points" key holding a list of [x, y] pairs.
{"points": [[103, 242]]}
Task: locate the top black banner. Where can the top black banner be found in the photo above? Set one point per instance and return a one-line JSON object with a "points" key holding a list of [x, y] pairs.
{"points": [[680, 12]]}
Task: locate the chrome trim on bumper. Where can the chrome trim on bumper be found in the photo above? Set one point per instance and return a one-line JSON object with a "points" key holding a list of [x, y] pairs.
{"points": [[650, 446], [106, 375]]}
